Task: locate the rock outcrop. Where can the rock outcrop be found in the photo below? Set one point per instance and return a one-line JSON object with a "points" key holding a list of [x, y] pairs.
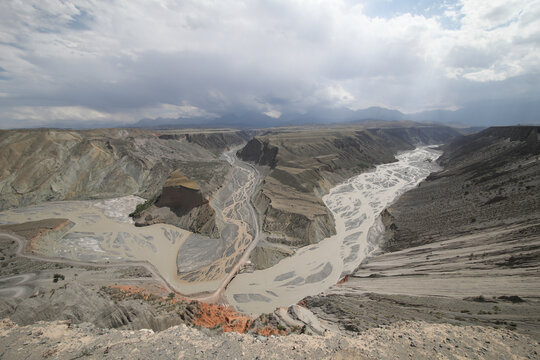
{"points": [[260, 152], [182, 204], [465, 243], [216, 140], [180, 193], [266, 255], [77, 303]]}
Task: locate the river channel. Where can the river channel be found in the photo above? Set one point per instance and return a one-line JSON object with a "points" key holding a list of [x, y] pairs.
{"points": [[355, 205]]}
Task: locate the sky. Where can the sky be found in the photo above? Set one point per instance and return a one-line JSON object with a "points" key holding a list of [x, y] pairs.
{"points": [[118, 61]]}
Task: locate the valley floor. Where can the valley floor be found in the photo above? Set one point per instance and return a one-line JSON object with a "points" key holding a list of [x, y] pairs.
{"points": [[487, 278]]}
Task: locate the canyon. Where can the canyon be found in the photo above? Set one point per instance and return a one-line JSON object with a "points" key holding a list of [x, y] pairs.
{"points": [[332, 231]]}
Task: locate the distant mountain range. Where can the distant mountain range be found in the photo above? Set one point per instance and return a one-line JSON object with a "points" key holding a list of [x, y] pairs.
{"points": [[479, 114], [484, 114]]}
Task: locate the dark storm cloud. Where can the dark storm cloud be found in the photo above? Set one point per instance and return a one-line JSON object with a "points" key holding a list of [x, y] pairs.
{"points": [[102, 61]]}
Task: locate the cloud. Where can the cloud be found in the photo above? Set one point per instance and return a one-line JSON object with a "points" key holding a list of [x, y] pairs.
{"points": [[91, 60], [273, 114]]}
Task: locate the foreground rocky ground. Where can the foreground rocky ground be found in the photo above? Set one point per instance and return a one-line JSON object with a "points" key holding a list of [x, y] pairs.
{"points": [[403, 340]]}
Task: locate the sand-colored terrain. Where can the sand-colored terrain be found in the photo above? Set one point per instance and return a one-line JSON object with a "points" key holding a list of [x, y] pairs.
{"points": [[355, 205], [49, 165], [103, 233], [89, 263], [202, 259], [403, 340], [303, 164]]}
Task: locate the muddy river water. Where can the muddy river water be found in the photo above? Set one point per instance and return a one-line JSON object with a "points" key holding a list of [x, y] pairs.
{"points": [[355, 205], [103, 233]]}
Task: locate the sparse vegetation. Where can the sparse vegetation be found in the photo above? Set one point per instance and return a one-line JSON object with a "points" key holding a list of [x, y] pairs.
{"points": [[145, 205], [57, 277], [513, 298]]}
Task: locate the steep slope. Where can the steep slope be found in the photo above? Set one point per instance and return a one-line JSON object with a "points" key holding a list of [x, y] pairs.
{"points": [[491, 178], [304, 165], [181, 203], [44, 165], [214, 140]]}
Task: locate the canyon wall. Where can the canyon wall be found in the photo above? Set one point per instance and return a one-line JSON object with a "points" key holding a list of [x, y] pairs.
{"points": [[47, 164], [489, 179], [182, 204], [304, 165]]}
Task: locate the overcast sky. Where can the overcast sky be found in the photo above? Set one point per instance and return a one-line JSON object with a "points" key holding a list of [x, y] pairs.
{"points": [[125, 60]]}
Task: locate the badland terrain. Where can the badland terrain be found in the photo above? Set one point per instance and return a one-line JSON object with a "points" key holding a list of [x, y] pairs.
{"points": [[452, 271]]}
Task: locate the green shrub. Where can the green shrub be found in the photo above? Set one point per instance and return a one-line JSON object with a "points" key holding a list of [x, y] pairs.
{"points": [[145, 205]]}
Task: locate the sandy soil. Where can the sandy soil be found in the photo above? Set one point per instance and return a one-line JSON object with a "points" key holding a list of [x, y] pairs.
{"points": [[355, 205], [501, 261], [215, 259]]}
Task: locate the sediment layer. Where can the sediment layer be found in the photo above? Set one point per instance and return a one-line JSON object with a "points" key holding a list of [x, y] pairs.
{"points": [[491, 178], [47, 164], [462, 248]]}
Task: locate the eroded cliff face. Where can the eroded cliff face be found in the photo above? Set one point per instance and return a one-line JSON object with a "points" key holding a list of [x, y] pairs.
{"points": [[490, 179], [182, 204], [45, 165], [304, 165], [465, 242], [259, 151], [215, 141]]}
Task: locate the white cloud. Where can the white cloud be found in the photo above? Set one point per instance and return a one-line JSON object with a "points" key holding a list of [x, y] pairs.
{"points": [[492, 33], [38, 115], [174, 111], [336, 95], [133, 59], [273, 114]]}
